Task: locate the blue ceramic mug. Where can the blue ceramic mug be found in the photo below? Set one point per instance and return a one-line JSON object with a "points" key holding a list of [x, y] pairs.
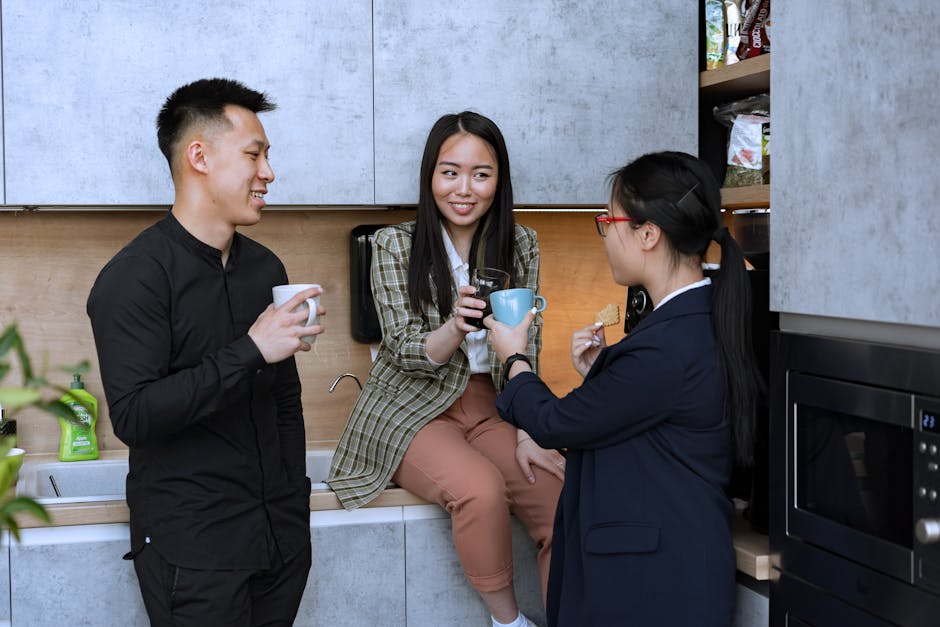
{"points": [[511, 306]]}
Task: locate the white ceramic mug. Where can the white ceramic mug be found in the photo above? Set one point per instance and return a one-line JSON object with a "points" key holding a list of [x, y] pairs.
{"points": [[283, 293]]}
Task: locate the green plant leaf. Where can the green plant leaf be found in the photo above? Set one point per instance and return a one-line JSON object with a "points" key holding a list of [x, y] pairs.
{"points": [[59, 409], [20, 505], [36, 382], [14, 398], [10, 523], [32, 393], [6, 340], [81, 368], [25, 364], [24, 504]]}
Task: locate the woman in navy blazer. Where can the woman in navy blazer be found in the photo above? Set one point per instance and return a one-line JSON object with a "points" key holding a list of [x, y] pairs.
{"points": [[643, 527]]}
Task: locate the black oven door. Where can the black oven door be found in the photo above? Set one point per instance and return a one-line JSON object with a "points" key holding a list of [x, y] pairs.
{"points": [[798, 604], [850, 451]]}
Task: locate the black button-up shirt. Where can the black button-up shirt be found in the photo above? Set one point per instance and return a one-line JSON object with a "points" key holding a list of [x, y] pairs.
{"points": [[216, 435]]}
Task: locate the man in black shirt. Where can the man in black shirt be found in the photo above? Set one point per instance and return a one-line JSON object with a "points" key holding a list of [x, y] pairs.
{"points": [[201, 383]]}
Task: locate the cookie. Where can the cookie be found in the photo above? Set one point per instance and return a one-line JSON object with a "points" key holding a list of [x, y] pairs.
{"points": [[609, 315]]}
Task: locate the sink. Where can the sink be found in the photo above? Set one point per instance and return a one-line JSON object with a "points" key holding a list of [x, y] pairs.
{"points": [[98, 478], [318, 468], [103, 479]]}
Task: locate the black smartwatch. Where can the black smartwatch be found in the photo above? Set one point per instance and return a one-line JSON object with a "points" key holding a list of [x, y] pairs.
{"points": [[509, 362]]}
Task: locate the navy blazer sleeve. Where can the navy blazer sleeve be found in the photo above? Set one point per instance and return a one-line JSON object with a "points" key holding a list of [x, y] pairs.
{"points": [[666, 370], [627, 396]]}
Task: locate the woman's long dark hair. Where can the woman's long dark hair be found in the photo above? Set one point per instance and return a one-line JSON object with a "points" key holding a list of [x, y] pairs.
{"points": [[679, 193], [492, 243]]}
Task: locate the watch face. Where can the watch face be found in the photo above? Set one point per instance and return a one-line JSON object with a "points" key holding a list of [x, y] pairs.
{"points": [[639, 304]]}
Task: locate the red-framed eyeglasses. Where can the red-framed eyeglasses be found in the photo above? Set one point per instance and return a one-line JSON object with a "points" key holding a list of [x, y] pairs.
{"points": [[603, 219]]}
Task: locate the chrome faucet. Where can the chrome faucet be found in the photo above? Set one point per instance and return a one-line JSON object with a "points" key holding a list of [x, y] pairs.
{"points": [[345, 374]]}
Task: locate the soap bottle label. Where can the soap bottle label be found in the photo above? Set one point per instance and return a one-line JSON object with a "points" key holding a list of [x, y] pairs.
{"points": [[80, 442], [80, 412]]}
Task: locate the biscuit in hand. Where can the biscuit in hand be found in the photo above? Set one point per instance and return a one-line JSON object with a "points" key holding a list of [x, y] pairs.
{"points": [[609, 315]]}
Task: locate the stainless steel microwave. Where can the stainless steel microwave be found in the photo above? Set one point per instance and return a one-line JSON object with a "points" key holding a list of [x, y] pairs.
{"points": [[855, 481], [865, 475]]}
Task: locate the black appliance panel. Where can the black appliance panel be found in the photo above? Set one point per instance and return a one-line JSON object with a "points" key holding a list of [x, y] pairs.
{"points": [[855, 482], [851, 472], [926, 493], [808, 606], [364, 322]]}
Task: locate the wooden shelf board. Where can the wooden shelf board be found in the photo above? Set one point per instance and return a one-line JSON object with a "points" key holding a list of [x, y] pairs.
{"points": [[751, 76], [751, 549], [67, 514], [322, 500], [745, 197]]}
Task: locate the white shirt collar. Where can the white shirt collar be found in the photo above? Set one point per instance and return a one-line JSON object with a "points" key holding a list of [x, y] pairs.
{"points": [[690, 286], [456, 263]]}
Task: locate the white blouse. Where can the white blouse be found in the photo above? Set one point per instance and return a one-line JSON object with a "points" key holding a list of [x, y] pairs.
{"points": [[476, 340]]}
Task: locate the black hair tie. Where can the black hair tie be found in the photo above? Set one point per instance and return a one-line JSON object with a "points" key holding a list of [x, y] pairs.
{"points": [[720, 234]]}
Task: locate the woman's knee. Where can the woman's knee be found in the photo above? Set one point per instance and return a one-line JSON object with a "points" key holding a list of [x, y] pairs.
{"points": [[483, 490]]}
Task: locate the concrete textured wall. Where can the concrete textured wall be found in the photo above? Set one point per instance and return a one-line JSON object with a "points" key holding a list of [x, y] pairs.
{"points": [[83, 82], [855, 227], [577, 87]]}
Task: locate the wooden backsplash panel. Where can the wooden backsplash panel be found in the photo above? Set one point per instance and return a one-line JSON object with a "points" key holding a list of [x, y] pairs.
{"points": [[49, 260], [576, 282]]}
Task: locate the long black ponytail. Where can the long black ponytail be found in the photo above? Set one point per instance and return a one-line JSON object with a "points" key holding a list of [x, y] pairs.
{"points": [[731, 317], [679, 193]]}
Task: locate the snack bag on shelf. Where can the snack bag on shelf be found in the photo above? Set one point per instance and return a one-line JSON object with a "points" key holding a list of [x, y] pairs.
{"points": [[732, 30], [748, 160], [755, 30], [714, 33]]}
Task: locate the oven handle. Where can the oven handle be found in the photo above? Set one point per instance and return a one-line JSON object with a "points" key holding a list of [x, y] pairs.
{"points": [[865, 401]]}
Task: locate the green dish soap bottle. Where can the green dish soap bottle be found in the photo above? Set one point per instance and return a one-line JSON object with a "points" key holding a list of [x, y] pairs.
{"points": [[79, 441]]}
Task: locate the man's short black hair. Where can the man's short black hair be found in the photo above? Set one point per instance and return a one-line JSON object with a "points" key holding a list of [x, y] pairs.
{"points": [[203, 102]]}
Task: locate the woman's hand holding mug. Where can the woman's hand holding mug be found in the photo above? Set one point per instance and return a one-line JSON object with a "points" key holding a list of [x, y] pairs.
{"points": [[467, 303], [507, 340]]}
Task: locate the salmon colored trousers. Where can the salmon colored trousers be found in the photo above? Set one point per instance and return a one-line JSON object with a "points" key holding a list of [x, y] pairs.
{"points": [[465, 461]]}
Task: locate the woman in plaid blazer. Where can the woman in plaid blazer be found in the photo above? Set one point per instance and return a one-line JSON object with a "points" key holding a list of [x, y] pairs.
{"points": [[427, 418]]}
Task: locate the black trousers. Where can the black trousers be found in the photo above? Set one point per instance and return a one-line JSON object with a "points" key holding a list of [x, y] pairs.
{"points": [[183, 597]]}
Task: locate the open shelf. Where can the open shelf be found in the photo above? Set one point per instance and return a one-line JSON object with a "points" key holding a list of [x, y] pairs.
{"points": [[748, 197], [744, 78]]}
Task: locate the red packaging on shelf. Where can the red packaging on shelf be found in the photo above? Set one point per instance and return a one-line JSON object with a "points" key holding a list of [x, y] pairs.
{"points": [[754, 39]]}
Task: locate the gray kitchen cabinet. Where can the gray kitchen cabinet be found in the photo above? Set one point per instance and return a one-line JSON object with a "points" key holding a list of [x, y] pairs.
{"points": [[74, 575], [5, 540], [83, 82], [578, 88], [2, 165], [855, 224]]}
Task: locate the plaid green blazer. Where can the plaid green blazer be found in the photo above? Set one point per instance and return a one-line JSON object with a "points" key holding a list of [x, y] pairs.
{"points": [[405, 390]]}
